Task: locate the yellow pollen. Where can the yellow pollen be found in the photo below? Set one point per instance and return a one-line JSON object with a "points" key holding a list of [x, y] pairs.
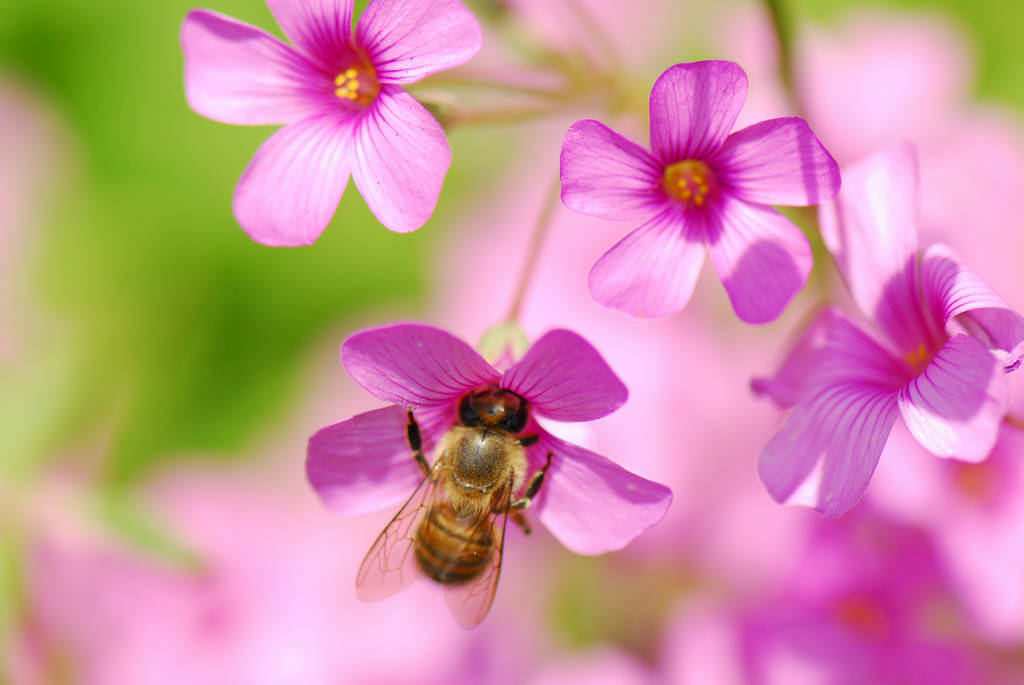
{"points": [[690, 182], [358, 83], [917, 357]]}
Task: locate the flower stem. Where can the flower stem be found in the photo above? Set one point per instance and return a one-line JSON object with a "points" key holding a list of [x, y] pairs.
{"points": [[533, 251], [784, 37]]}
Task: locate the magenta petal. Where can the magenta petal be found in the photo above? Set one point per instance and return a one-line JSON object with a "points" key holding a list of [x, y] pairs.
{"points": [[401, 158], [564, 378], [762, 258], [409, 39], [954, 292], [828, 448], [239, 74], [954, 408], [693, 108], [365, 463], [651, 272], [593, 505], [777, 162], [871, 230], [606, 175], [320, 28], [415, 365], [289, 192], [798, 368]]}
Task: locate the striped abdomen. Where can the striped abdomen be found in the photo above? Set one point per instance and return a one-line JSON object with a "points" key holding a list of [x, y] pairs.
{"points": [[453, 550]]}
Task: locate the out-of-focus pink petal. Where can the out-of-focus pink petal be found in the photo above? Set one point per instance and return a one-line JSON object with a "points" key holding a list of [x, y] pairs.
{"points": [[872, 229], [651, 272], [827, 449], [401, 158], [954, 407], [797, 370], [239, 74], [693, 108], [777, 162], [320, 28], [409, 39], [591, 504], [365, 463], [953, 291], [289, 192], [564, 378], [412, 364], [761, 256], [606, 175]]}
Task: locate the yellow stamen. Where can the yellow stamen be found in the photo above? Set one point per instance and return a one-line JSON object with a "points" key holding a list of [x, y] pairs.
{"points": [[690, 181]]}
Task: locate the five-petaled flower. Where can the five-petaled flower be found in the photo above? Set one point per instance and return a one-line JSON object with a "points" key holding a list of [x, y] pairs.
{"points": [[341, 99], [365, 463], [947, 343], [699, 186]]}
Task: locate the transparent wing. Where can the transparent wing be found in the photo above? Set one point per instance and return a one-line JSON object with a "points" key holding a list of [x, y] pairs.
{"points": [[390, 565], [469, 603]]}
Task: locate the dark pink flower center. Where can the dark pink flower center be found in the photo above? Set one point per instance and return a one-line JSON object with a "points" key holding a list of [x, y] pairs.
{"points": [[862, 614], [357, 83], [690, 181], [918, 358]]}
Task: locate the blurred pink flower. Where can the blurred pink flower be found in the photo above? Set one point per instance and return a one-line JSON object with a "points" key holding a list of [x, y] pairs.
{"points": [[975, 514], [866, 603], [365, 462], [701, 186], [341, 100], [947, 339]]}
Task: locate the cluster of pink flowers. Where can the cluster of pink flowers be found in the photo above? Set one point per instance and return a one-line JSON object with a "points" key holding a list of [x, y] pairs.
{"points": [[942, 345]]}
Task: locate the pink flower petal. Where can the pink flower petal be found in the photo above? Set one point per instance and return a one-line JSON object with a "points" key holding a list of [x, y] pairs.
{"points": [[320, 28], [564, 378], [401, 158], [409, 39], [777, 162], [289, 192], [828, 448], [826, 451], [871, 230], [591, 504], [798, 368], [651, 272], [239, 74], [762, 258], [956, 293], [414, 365], [693, 109], [606, 175], [954, 408], [365, 463]]}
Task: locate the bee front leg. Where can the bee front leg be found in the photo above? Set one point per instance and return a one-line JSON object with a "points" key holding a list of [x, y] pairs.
{"points": [[533, 487], [412, 432]]}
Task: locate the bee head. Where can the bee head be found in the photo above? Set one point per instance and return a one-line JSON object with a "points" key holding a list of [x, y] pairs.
{"points": [[494, 407]]}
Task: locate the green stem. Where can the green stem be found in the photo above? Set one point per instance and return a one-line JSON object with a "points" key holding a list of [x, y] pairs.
{"points": [[784, 37], [533, 251]]}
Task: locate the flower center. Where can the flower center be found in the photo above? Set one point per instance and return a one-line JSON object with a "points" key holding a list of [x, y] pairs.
{"points": [[862, 614], [357, 83], [918, 358], [690, 182]]}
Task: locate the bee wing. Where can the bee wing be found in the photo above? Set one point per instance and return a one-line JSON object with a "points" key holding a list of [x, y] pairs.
{"points": [[390, 565], [469, 603]]}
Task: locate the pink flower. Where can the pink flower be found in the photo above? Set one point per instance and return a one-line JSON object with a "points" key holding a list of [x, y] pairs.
{"points": [[341, 99], [699, 186], [364, 463], [947, 342]]}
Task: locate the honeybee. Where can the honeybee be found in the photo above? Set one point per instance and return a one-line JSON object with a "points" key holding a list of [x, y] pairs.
{"points": [[452, 528]]}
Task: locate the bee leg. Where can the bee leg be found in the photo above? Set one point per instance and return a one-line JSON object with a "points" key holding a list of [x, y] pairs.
{"points": [[412, 432], [528, 440], [520, 520], [533, 487]]}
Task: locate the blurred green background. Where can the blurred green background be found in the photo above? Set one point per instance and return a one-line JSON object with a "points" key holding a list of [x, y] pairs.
{"points": [[177, 332]]}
